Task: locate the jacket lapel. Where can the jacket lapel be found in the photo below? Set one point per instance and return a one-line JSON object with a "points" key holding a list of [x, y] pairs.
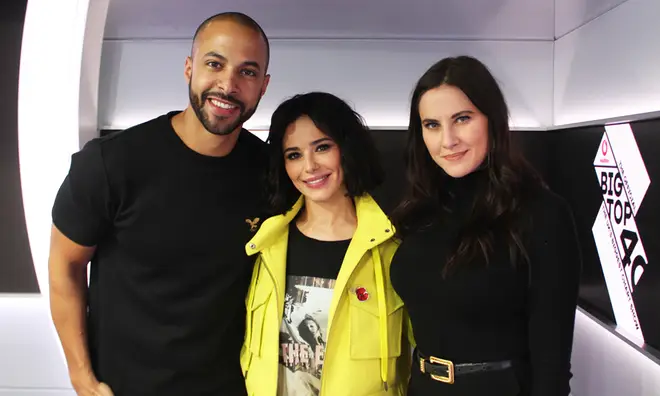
{"points": [[373, 229], [274, 261], [272, 241]]}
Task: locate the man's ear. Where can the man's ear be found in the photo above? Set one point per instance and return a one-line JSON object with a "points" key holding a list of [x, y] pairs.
{"points": [[264, 86], [187, 69]]}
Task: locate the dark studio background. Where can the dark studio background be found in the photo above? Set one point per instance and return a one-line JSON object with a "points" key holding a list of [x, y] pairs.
{"points": [[16, 269]]}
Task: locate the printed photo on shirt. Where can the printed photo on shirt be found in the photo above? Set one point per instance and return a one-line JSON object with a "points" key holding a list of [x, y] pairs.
{"points": [[303, 334]]}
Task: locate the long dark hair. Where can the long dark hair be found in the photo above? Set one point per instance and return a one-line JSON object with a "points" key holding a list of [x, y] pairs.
{"points": [[360, 159], [507, 176]]}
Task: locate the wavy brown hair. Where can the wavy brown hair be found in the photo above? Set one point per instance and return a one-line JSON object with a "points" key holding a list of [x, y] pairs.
{"points": [[360, 159], [504, 188]]}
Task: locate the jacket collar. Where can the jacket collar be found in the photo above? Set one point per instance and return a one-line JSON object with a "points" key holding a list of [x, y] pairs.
{"points": [[373, 227]]}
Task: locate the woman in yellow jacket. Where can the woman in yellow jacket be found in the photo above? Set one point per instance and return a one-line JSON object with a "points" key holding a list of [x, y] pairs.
{"points": [[322, 317]]}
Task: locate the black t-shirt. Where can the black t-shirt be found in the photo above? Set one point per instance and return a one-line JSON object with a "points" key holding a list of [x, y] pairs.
{"points": [[312, 269], [170, 274], [311, 257]]}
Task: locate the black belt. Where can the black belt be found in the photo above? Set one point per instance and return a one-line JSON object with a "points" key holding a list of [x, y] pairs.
{"points": [[444, 370]]}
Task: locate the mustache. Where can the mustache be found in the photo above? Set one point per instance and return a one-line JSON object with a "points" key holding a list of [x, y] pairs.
{"points": [[227, 98]]}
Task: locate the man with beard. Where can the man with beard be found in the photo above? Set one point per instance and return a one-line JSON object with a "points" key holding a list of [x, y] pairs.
{"points": [[163, 211]]}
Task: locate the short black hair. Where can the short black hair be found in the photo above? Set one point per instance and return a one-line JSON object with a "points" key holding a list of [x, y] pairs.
{"points": [[360, 159], [241, 19]]}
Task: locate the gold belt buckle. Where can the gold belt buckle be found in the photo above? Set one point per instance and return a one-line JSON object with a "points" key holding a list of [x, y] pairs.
{"points": [[449, 379]]}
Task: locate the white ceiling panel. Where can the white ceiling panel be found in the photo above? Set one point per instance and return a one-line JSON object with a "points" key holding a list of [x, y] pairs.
{"points": [[572, 14], [416, 19]]}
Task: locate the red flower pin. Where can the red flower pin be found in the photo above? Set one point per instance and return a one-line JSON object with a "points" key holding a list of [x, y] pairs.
{"points": [[362, 294]]}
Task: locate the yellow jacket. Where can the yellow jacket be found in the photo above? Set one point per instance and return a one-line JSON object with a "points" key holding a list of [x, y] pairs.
{"points": [[367, 351]]}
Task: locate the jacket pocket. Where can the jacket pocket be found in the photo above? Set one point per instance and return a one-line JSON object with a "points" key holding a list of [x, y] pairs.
{"points": [[365, 331], [257, 312]]}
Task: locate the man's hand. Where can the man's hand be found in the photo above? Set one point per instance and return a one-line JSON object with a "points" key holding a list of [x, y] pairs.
{"points": [[104, 390], [88, 385]]}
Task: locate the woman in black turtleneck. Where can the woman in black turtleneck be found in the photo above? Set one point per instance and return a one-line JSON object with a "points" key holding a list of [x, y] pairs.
{"points": [[489, 261]]}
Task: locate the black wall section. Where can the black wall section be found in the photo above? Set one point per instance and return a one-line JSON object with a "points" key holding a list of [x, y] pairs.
{"points": [[576, 180], [538, 149], [391, 144], [16, 269], [647, 292]]}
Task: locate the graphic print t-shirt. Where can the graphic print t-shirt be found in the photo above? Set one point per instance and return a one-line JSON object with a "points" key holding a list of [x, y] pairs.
{"points": [[312, 268]]}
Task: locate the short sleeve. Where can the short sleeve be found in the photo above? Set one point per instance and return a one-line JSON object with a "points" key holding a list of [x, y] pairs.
{"points": [[82, 206]]}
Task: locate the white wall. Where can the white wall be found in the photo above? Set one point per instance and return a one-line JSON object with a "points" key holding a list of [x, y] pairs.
{"points": [[605, 365], [141, 79], [67, 33], [609, 67], [411, 19], [30, 358]]}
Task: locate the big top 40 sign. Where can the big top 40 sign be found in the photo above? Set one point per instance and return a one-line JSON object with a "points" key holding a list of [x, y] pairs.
{"points": [[623, 182]]}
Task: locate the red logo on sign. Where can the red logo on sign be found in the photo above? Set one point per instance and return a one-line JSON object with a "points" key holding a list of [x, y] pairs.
{"points": [[362, 294], [603, 149]]}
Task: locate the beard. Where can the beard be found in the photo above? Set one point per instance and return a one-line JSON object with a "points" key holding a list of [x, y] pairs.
{"points": [[219, 125]]}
